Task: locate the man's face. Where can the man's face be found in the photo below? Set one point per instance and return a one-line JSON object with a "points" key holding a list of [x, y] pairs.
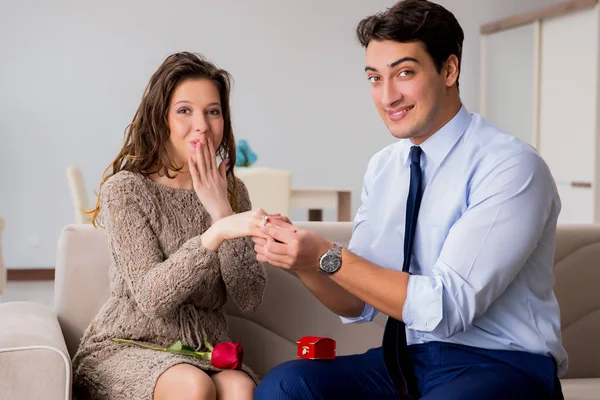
{"points": [[408, 91]]}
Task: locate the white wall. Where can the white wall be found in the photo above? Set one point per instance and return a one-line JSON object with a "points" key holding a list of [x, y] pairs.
{"points": [[72, 73]]}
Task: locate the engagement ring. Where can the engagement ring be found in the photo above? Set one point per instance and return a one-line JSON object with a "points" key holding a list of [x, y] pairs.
{"points": [[265, 219]]}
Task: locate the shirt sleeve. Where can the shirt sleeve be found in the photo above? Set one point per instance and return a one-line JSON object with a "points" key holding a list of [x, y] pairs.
{"points": [[508, 209], [360, 244]]}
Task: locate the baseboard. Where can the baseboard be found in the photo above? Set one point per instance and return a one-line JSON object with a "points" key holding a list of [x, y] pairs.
{"points": [[26, 274]]}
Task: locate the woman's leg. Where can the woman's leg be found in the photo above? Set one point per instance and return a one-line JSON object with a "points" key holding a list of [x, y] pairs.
{"points": [[185, 382], [234, 385]]}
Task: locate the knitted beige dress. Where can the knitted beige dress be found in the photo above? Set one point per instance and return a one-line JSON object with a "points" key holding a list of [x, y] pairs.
{"points": [[164, 287]]}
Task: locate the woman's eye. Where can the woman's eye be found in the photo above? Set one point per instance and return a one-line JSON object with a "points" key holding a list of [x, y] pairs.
{"points": [[214, 112], [184, 110]]}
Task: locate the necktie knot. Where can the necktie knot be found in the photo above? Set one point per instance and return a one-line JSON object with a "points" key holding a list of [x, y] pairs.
{"points": [[415, 154]]}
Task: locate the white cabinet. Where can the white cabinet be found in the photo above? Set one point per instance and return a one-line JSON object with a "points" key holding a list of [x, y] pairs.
{"points": [[551, 98], [577, 204], [569, 95], [508, 67]]}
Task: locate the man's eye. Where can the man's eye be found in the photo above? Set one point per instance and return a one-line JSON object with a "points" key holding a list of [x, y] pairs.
{"points": [[373, 79]]}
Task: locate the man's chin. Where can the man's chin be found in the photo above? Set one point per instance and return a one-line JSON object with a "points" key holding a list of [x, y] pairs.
{"points": [[400, 134], [399, 129]]}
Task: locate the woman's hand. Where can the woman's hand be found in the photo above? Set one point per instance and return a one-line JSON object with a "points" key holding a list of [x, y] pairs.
{"points": [[210, 182], [243, 224], [234, 226]]}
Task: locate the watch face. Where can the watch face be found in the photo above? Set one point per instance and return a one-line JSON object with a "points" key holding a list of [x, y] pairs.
{"points": [[330, 263]]}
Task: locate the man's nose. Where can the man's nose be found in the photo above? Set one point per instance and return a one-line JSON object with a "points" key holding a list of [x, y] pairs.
{"points": [[391, 95]]}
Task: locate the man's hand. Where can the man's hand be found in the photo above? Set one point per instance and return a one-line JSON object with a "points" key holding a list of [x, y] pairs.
{"points": [[298, 249]]}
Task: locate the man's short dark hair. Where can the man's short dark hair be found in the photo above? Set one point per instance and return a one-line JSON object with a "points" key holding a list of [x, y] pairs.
{"points": [[416, 21]]}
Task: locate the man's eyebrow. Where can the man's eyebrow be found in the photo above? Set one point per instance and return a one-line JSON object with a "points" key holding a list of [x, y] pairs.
{"points": [[394, 64], [403, 60]]}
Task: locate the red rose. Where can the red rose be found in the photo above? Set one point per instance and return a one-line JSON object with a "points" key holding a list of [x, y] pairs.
{"points": [[227, 355]]}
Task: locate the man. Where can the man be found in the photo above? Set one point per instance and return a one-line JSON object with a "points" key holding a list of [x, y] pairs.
{"points": [[454, 241]]}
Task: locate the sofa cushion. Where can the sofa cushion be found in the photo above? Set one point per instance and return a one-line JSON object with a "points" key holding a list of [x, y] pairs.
{"points": [[581, 389]]}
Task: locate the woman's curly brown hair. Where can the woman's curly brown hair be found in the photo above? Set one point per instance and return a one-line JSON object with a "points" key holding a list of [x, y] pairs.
{"points": [[145, 149]]}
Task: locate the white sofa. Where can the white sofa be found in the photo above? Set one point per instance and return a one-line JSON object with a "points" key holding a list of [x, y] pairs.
{"points": [[36, 343]]}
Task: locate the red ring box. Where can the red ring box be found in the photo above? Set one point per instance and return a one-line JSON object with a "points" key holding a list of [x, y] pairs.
{"points": [[316, 348]]}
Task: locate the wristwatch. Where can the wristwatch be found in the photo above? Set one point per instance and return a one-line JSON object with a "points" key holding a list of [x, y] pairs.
{"points": [[331, 261]]}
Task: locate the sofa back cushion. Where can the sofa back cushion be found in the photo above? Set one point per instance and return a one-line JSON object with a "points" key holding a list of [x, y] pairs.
{"points": [[577, 288], [81, 279]]}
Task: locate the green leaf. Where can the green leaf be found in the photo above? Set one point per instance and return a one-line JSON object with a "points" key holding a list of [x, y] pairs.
{"points": [[184, 352], [175, 347], [188, 348], [180, 348]]}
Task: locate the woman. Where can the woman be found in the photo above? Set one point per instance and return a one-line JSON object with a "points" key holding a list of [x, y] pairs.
{"points": [[177, 226]]}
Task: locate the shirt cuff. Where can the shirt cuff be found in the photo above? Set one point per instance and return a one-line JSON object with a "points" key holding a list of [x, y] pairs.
{"points": [[367, 316], [423, 308]]}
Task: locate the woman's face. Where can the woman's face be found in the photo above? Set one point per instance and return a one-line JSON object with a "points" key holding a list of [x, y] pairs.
{"points": [[194, 114]]}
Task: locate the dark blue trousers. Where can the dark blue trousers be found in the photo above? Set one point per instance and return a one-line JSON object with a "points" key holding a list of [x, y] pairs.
{"points": [[443, 371]]}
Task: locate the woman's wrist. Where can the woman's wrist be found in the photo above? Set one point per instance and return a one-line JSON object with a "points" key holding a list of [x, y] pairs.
{"points": [[212, 238], [226, 212]]}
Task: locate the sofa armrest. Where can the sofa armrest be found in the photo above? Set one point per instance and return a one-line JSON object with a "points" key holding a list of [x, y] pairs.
{"points": [[34, 362]]}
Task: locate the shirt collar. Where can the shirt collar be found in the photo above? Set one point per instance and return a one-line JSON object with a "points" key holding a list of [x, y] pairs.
{"points": [[438, 146]]}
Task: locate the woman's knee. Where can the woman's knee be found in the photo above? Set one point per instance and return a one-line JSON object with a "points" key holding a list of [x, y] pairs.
{"points": [[236, 385], [184, 381]]}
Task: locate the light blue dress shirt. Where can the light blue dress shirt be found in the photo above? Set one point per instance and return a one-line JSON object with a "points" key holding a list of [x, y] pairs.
{"points": [[484, 245]]}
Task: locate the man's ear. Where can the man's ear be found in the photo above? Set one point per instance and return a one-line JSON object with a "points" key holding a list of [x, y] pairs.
{"points": [[451, 70]]}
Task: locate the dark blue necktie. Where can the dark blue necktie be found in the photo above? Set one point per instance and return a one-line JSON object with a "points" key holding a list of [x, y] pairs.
{"points": [[395, 353]]}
